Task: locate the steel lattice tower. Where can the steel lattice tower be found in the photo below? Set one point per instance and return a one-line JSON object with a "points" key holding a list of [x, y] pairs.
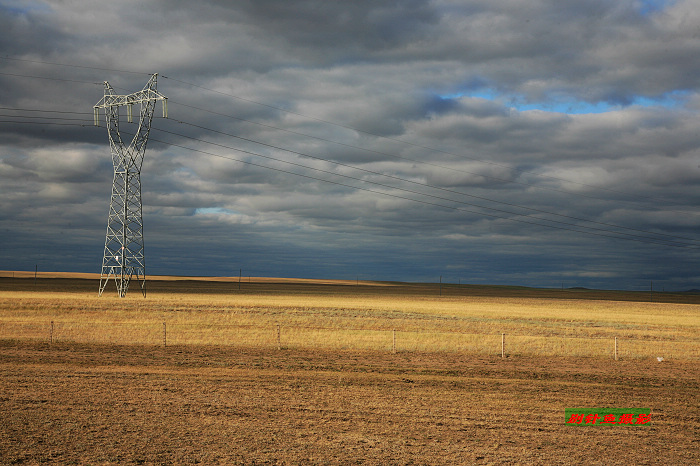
{"points": [[124, 252]]}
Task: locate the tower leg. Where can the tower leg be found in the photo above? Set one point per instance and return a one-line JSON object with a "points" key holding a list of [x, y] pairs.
{"points": [[124, 247]]}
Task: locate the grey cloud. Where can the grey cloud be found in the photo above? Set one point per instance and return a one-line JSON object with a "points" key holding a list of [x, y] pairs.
{"points": [[338, 32], [416, 73]]}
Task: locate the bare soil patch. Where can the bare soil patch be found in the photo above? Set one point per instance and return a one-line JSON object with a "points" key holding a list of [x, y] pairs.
{"points": [[71, 403]]}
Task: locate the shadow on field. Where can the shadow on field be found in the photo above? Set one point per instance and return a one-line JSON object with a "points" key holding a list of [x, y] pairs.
{"points": [[289, 286]]}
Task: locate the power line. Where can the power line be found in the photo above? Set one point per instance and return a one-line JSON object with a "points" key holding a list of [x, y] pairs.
{"points": [[531, 209], [657, 238], [357, 168], [87, 123], [43, 110], [74, 66], [408, 159], [50, 78], [33, 117], [385, 154], [422, 162], [402, 141], [594, 231], [434, 204]]}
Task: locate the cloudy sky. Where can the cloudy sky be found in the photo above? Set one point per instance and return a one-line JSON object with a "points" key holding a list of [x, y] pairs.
{"points": [[539, 143]]}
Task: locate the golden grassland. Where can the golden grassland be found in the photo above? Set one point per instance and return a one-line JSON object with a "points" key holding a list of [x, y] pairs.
{"points": [[352, 315]]}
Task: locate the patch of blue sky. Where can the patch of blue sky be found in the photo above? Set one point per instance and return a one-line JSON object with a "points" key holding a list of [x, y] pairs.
{"points": [[649, 7], [670, 100], [24, 6], [211, 210]]}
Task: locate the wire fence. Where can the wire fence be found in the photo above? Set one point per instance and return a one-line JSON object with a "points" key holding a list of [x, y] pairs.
{"points": [[381, 339]]}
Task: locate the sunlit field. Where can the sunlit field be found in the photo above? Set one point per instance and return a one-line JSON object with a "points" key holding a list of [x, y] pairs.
{"points": [[354, 315], [323, 372]]}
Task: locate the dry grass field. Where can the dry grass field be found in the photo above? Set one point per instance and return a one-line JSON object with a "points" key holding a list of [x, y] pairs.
{"points": [[99, 387]]}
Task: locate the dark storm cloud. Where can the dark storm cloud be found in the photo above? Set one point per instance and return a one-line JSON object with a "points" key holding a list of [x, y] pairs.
{"points": [[396, 140]]}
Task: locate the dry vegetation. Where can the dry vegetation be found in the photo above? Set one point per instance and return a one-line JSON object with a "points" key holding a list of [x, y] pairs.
{"points": [[314, 314], [101, 388]]}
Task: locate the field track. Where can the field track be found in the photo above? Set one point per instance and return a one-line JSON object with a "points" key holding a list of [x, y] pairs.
{"points": [[90, 403]]}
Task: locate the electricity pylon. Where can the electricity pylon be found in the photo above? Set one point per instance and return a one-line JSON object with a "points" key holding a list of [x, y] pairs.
{"points": [[124, 253]]}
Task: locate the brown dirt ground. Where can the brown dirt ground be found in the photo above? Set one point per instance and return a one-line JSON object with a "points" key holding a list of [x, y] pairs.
{"points": [[101, 404]]}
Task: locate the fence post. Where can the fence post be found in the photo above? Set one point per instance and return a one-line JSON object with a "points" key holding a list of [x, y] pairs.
{"points": [[165, 336], [279, 337], [615, 348], [51, 334], [503, 345], [393, 344]]}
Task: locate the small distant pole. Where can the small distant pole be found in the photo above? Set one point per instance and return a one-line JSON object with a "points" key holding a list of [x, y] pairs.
{"points": [[51, 334], [503, 345], [615, 348]]}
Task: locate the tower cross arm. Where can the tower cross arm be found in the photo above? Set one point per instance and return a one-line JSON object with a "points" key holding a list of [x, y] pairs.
{"points": [[147, 94]]}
